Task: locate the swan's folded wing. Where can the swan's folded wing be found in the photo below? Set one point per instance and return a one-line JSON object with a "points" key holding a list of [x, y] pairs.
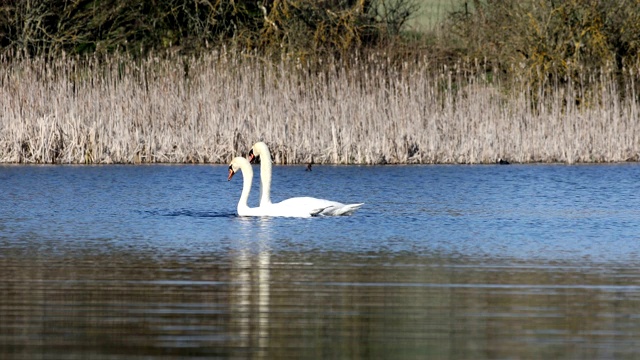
{"points": [[340, 210], [317, 212]]}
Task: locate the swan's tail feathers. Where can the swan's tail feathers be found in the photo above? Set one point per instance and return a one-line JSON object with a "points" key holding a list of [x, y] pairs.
{"points": [[349, 209], [342, 210]]}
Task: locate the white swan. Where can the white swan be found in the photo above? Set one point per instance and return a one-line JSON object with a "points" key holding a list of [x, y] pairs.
{"points": [[290, 208], [329, 208]]}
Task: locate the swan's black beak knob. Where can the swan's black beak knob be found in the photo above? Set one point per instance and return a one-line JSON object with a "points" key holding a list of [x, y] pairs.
{"points": [[231, 173]]}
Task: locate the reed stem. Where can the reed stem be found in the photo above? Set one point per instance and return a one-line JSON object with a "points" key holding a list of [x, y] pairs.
{"points": [[210, 109]]}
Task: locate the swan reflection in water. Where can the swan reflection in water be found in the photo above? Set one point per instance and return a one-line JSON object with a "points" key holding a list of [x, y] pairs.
{"points": [[250, 279]]}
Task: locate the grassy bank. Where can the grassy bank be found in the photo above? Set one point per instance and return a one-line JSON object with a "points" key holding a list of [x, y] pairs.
{"points": [[207, 110]]}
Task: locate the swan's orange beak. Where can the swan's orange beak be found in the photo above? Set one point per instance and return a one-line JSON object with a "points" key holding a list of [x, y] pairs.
{"points": [[252, 157], [231, 173]]}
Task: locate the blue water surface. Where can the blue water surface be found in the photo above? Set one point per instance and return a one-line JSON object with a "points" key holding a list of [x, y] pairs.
{"points": [[451, 261], [520, 212]]}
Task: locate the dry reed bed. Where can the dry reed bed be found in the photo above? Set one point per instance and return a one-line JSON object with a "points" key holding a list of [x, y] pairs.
{"points": [[210, 109]]}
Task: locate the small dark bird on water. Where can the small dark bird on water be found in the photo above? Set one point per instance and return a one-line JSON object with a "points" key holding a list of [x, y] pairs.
{"points": [[308, 168], [502, 161]]}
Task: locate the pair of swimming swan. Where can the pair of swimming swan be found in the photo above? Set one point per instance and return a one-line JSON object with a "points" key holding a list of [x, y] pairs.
{"points": [[294, 207]]}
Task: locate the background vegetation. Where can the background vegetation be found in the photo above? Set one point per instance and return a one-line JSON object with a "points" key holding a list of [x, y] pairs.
{"points": [[139, 26], [547, 40], [341, 81], [536, 36]]}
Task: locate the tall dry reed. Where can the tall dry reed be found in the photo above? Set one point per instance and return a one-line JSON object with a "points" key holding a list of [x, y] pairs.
{"points": [[209, 109]]}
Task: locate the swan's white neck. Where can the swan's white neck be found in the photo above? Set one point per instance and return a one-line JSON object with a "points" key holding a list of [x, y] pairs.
{"points": [[265, 176], [247, 178]]}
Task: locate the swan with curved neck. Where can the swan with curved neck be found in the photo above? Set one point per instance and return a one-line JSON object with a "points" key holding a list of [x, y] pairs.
{"points": [[293, 208], [240, 163], [329, 208]]}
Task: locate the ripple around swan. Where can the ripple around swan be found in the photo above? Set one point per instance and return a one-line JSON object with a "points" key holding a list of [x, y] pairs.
{"points": [[188, 213]]}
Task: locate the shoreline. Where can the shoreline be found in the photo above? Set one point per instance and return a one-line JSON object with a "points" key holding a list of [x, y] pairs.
{"points": [[604, 163]]}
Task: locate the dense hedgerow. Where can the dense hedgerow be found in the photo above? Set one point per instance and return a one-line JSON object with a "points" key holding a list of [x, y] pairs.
{"points": [[139, 26], [546, 40], [539, 40]]}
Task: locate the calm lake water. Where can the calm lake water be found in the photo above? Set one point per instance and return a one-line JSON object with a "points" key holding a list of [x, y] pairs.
{"points": [[443, 262]]}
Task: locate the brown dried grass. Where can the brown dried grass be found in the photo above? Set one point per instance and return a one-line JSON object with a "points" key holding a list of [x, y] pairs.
{"points": [[209, 109]]}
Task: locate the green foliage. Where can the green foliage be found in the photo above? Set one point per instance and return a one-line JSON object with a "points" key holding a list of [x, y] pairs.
{"points": [[540, 40]]}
